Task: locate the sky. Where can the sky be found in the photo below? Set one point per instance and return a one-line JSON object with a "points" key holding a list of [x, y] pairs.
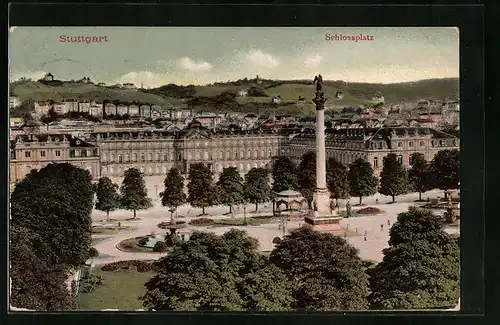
{"points": [[200, 55]]}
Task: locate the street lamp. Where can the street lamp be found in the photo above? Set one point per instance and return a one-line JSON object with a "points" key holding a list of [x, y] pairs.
{"points": [[245, 215], [156, 186]]}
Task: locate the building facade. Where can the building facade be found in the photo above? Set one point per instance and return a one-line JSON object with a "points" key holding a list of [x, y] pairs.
{"points": [[154, 152], [36, 151], [373, 144]]}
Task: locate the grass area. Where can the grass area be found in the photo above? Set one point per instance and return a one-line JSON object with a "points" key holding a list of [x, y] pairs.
{"points": [[266, 254], [104, 230], [119, 290], [96, 241], [241, 221], [130, 245]]}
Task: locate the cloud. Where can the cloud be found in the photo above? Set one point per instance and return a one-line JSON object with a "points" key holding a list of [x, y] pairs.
{"points": [[33, 75], [190, 65], [146, 78], [313, 61], [261, 58]]}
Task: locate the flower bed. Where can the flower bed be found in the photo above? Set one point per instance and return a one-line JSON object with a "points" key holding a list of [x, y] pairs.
{"points": [[141, 266], [202, 222], [369, 210]]}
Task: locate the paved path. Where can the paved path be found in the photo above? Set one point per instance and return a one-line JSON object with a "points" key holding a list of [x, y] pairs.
{"points": [[370, 249]]}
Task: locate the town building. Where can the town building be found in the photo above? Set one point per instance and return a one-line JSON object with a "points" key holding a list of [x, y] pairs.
{"points": [[373, 144], [14, 101], [242, 93], [35, 151], [129, 85], [154, 151], [101, 84], [84, 107], [60, 108], [48, 77], [110, 109], [42, 108], [71, 105]]}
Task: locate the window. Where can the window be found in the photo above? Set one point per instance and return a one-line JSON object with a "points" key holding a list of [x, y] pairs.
{"points": [[165, 157], [410, 144], [421, 143], [400, 159], [150, 156], [143, 159], [135, 157], [380, 145], [58, 153], [158, 157], [432, 143], [104, 157], [27, 154], [205, 155], [410, 160], [112, 158], [42, 153], [400, 144], [77, 153], [375, 162], [120, 159], [127, 158]]}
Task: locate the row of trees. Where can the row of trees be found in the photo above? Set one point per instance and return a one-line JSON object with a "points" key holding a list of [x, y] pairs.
{"points": [[50, 234], [309, 270], [357, 180]]}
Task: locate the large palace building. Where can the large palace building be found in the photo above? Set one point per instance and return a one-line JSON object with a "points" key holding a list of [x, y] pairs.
{"points": [[155, 152]]}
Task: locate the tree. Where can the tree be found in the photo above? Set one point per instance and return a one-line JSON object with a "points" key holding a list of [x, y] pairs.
{"points": [[445, 170], [337, 179], [134, 195], [418, 176], [362, 182], [307, 176], [36, 284], [217, 273], [108, 198], [173, 195], [326, 271], [257, 189], [231, 185], [55, 203], [201, 188], [420, 269], [393, 178], [284, 175]]}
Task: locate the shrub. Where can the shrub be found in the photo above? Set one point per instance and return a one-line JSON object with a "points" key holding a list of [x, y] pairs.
{"points": [[160, 247], [141, 266], [276, 240], [201, 222], [369, 210], [93, 252]]}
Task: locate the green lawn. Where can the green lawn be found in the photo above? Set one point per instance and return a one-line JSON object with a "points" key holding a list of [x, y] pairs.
{"points": [[241, 221], [119, 290]]}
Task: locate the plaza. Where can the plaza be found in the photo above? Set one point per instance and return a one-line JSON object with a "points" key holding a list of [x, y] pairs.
{"points": [[146, 224]]}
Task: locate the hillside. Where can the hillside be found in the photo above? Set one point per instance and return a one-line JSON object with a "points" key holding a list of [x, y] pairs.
{"points": [[214, 97]]}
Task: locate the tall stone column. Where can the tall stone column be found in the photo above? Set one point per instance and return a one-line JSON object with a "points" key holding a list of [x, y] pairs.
{"points": [[322, 218], [322, 195]]}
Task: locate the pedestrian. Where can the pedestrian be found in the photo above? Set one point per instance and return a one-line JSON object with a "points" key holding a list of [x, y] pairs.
{"points": [[376, 201], [381, 227], [388, 222], [365, 237], [119, 224]]}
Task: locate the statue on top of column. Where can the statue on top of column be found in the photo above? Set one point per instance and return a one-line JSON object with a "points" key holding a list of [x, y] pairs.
{"points": [[318, 80]]}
